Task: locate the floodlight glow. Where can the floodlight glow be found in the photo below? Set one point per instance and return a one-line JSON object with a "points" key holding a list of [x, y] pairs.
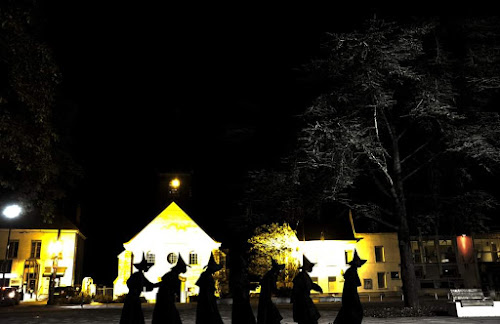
{"points": [[12, 211], [175, 183]]}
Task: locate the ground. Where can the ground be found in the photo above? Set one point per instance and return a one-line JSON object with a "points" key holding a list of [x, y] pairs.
{"points": [[38, 313]]}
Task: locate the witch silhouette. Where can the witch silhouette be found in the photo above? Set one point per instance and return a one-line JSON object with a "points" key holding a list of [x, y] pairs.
{"points": [[351, 311], [268, 313], [132, 310], [165, 311], [207, 311], [304, 310]]}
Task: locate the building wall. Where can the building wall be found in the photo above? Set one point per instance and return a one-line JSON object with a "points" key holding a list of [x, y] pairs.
{"points": [[331, 257], [388, 267], [67, 247], [174, 232]]}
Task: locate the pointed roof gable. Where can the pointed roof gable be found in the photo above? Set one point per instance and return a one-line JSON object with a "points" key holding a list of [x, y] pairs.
{"points": [[171, 217]]}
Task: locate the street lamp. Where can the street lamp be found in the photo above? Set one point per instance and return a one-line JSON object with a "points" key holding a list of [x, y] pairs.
{"points": [[11, 212], [174, 186]]}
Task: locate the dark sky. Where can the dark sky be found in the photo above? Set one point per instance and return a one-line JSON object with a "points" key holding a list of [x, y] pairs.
{"points": [[152, 97]]}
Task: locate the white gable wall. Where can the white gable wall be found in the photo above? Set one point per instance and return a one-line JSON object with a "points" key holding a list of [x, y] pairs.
{"points": [[172, 231]]}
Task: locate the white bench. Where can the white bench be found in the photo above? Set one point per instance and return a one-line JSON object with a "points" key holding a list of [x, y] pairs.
{"points": [[472, 303]]}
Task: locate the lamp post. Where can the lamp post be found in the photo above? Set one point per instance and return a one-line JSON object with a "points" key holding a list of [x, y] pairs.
{"points": [[11, 212]]}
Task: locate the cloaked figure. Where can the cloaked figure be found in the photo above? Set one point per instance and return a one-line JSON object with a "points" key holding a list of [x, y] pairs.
{"points": [[165, 311], [304, 310], [351, 311], [268, 313], [242, 312], [207, 311], [132, 310]]}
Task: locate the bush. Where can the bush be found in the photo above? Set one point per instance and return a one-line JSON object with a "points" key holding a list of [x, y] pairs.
{"points": [[120, 298], [384, 312], [106, 299]]}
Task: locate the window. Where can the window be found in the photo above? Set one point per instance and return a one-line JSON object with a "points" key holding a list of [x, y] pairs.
{"points": [[150, 257], [331, 283], [367, 284], [13, 247], [395, 275], [430, 255], [381, 280], [348, 256], [36, 246], [379, 254], [415, 251], [193, 258], [447, 252], [172, 258]]}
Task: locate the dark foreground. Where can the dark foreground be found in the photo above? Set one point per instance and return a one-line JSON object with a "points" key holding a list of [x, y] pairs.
{"points": [[40, 313]]}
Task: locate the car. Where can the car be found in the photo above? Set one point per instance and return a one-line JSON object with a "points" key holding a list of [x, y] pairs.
{"points": [[64, 292], [9, 296]]}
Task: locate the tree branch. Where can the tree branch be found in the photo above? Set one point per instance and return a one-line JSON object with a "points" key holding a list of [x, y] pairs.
{"points": [[421, 167], [415, 152], [381, 221]]}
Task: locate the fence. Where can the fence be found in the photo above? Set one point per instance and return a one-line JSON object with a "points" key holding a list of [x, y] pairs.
{"points": [[104, 291]]}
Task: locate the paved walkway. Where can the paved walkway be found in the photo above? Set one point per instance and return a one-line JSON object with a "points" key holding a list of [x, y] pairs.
{"points": [[38, 314]]}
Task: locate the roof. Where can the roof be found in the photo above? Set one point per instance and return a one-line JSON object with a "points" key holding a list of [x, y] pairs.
{"points": [[33, 221], [173, 214]]}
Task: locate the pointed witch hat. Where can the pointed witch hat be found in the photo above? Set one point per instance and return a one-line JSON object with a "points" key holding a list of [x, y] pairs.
{"points": [[144, 265], [181, 264], [306, 264], [356, 260], [212, 265]]}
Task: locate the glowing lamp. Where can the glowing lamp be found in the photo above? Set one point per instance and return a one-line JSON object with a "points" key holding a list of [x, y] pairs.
{"points": [[12, 211], [465, 246], [175, 183]]}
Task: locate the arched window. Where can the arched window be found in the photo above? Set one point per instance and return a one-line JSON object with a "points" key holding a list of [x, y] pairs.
{"points": [[193, 257], [172, 258]]}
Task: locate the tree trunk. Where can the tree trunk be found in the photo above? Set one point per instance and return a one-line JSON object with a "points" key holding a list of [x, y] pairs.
{"points": [[410, 288]]}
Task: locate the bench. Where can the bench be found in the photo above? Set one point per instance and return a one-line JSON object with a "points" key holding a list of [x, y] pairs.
{"points": [[472, 303]]}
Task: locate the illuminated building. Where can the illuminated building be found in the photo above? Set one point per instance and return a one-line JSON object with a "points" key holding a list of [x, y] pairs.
{"points": [[462, 261], [332, 249], [36, 252], [170, 233]]}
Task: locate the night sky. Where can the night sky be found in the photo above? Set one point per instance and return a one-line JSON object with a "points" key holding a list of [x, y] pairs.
{"points": [[147, 97]]}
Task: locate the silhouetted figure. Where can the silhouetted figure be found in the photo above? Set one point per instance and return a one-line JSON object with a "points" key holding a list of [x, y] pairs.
{"points": [[132, 310], [351, 311], [242, 312], [268, 313], [207, 311], [165, 311], [304, 311]]}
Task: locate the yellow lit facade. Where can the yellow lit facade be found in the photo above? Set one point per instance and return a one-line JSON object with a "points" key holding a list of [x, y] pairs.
{"points": [[170, 233], [34, 254], [380, 273]]}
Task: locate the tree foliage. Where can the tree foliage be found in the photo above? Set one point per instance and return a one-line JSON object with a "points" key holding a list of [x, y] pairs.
{"points": [[402, 100], [275, 241], [35, 168]]}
